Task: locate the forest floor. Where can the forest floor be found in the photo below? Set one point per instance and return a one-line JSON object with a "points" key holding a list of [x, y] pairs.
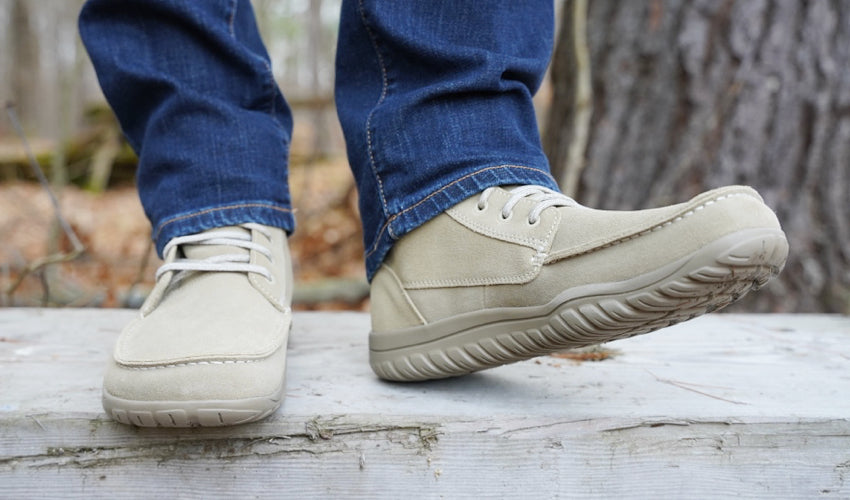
{"points": [[117, 268]]}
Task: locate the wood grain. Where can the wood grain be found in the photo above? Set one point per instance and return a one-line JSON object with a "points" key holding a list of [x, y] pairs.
{"points": [[726, 405]]}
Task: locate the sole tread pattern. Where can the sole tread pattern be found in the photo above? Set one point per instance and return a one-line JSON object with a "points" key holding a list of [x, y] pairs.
{"points": [[189, 413], [201, 417], [744, 267]]}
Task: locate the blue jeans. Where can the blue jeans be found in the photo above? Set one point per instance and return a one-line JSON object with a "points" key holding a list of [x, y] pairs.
{"points": [[434, 98]]}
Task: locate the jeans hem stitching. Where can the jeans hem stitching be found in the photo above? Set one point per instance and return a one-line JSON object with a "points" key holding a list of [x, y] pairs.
{"points": [[389, 221], [216, 209]]}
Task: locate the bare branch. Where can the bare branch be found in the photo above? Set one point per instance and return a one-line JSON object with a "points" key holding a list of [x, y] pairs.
{"points": [[40, 264], [36, 168]]}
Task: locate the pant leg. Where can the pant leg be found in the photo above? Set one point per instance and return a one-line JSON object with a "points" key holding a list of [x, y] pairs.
{"points": [[435, 100], [192, 86]]}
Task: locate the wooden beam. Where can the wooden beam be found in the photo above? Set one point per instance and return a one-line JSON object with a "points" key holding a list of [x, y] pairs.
{"points": [[725, 405]]}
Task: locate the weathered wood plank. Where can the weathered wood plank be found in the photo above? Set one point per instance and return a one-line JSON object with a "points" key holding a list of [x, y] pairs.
{"points": [[726, 405]]}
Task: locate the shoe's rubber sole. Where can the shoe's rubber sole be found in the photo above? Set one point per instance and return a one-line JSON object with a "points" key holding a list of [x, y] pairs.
{"points": [[710, 278], [191, 413]]}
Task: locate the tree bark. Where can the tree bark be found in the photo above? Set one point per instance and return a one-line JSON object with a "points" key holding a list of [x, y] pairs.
{"points": [[689, 95], [569, 118], [24, 49]]}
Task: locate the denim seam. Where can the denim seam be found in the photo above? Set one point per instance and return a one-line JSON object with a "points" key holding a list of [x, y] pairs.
{"points": [[270, 84], [384, 91], [231, 19], [423, 200], [270, 81], [179, 218]]}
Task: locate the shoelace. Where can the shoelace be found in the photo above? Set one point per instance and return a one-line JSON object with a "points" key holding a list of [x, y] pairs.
{"points": [[544, 197], [219, 263]]}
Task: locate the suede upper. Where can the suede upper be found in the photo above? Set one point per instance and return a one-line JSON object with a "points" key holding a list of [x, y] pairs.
{"points": [[216, 333], [472, 258]]}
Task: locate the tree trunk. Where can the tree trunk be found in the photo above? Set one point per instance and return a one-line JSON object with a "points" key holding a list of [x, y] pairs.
{"points": [[23, 41], [316, 50], [569, 117], [689, 95]]}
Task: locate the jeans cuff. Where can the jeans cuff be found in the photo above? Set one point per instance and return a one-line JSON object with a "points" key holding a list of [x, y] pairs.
{"points": [[446, 197], [260, 212]]}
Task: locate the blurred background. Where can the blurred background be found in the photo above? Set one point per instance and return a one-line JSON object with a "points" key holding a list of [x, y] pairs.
{"points": [[647, 103]]}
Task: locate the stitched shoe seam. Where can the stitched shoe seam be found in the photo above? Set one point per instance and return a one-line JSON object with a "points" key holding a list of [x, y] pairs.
{"points": [[273, 346], [191, 363], [657, 227], [159, 366], [534, 242], [540, 257], [499, 280]]}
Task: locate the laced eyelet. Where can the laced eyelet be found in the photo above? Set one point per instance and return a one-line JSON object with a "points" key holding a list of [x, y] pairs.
{"points": [[481, 206], [505, 219], [533, 222]]}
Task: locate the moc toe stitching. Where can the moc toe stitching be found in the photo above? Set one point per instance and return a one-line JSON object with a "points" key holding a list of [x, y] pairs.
{"points": [[136, 337], [605, 242]]}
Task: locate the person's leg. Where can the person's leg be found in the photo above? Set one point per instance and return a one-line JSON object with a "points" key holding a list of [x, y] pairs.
{"points": [[192, 87], [435, 101]]}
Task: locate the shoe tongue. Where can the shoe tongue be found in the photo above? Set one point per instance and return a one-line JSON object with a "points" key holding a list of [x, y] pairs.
{"points": [[199, 252], [507, 190]]}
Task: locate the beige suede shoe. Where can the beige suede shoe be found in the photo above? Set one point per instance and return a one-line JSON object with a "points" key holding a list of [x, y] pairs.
{"points": [[209, 345], [513, 274]]}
